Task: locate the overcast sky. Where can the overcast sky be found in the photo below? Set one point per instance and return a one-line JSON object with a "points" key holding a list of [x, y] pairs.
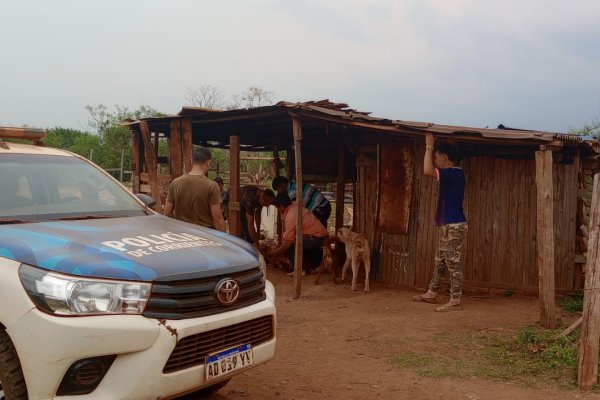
{"points": [[525, 63]]}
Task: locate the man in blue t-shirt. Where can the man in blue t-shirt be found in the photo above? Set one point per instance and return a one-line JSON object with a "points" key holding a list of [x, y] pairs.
{"points": [[442, 164]]}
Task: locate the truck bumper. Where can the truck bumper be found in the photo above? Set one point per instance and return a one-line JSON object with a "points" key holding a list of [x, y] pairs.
{"points": [[47, 346]]}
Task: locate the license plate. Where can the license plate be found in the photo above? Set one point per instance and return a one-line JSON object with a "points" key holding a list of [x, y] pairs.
{"points": [[228, 361]]}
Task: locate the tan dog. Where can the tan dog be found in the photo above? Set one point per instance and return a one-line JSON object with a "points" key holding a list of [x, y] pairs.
{"points": [[357, 249], [329, 261], [280, 262]]}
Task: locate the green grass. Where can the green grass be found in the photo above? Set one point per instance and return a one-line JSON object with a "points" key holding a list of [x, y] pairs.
{"points": [[573, 304], [532, 358]]}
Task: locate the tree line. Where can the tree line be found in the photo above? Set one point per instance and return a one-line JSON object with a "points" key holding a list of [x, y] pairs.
{"points": [[107, 140]]}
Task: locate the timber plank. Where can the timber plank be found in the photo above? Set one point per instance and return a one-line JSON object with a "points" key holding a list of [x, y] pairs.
{"points": [[297, 130], [234, 185], [472, 209], [187, 146], [590, 326], [545, 237], [136, 164], [151, 165], [512, 197], [340, 189], [176, 161], [521, 199]]}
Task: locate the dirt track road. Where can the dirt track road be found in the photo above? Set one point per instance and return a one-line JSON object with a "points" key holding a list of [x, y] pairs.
{"points": [[325, 346]]}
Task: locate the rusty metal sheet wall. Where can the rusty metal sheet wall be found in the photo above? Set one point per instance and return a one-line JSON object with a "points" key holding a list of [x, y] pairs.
{"points": [[396, 169], [398, 251], [365, 202]]}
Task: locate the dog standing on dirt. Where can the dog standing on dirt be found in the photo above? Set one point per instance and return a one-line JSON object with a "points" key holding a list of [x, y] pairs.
{"points": [[330, 259], [357, 250]]}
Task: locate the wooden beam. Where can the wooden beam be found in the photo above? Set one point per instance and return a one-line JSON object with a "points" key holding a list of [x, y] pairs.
{"points": [[297, 128], [187, 147], [341, 185], [276, 167], [136, 164], [176, 161], [289, 165], [156, 145], [151, 165], [276, 163], [590, 325], [545, 236], [234, 186]]}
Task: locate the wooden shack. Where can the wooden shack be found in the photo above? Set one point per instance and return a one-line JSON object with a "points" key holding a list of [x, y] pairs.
{"points": [[528, 192]]}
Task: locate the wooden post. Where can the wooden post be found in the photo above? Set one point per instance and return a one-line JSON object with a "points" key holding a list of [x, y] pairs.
{"points": [[545, 235], [354, 208], [91, 154], [274, 166], [156, 144], [136, 163], [187, 146], [151, 165], [234, 186], [175, 160], [590, 324], [289, 164], [297, 127], [277, 164], [122, 161], [341, 186]]}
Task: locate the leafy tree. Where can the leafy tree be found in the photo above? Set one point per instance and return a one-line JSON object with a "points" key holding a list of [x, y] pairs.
{"points": [[87, 144], [62, 138], [589, 129], [116, 138]]}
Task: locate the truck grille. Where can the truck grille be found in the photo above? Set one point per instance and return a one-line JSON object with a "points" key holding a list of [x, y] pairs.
{"points": [[192, 350], [197, 298]]}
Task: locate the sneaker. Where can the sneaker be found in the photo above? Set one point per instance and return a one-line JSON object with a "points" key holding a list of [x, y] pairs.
{"points": [[424, 299], [449, 307]]}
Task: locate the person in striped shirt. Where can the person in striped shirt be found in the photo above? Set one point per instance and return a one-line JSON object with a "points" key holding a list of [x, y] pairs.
{"points": [[314, 200]]}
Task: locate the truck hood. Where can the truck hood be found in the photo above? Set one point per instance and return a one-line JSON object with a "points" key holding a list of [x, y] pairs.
{"points": [[146, 248]]}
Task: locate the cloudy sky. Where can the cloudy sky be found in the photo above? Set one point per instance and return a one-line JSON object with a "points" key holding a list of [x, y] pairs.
{"points": [[525, 63]]}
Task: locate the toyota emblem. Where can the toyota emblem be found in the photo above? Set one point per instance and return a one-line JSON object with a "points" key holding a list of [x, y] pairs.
{"points": [[227, 291]]}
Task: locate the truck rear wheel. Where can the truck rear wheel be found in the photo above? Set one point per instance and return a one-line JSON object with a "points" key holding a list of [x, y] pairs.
{"points": [[12, 381]]}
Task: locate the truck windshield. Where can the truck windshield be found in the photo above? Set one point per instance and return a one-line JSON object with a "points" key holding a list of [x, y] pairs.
{"points": [[44, 187]]}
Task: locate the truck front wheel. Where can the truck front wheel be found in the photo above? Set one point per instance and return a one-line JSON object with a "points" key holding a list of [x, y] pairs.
{"points": [[12, 382]]}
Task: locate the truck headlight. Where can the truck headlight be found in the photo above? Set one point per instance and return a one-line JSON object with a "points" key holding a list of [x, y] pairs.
{"points": [[263, 267], [72, 295]]}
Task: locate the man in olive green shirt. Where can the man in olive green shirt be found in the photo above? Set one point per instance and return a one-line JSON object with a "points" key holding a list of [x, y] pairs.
{"points": [[194, 197]]}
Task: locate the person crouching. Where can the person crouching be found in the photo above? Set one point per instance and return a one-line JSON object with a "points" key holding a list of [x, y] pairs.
{"points": [[313, 233]]}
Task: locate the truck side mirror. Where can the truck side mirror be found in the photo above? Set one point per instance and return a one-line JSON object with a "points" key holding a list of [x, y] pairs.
{"points": [[147, 200]]}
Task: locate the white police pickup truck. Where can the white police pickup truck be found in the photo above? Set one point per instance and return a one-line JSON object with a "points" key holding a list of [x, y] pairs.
{"points": [[101, 298]]}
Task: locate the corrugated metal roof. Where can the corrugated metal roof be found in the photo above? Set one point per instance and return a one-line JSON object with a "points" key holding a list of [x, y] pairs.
{"points": [[341, 113], [188, 111], [429, 127]]}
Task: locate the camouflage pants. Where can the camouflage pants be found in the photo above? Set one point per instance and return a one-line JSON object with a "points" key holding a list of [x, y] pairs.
{"points": [[447, 257]]}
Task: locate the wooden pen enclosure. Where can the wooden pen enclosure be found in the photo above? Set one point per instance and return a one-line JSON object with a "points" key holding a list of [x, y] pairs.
{"points": [[500, 204], [394, 203]]}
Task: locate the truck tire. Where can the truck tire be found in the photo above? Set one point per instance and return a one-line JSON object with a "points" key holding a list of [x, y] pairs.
{"points": [[11, 375]]}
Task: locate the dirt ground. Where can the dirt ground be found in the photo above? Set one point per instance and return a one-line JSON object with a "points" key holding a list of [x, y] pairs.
{"points": [[332, 345]]}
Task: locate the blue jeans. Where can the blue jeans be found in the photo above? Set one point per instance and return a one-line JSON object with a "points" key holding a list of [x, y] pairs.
{"points": [[312, 251]]}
